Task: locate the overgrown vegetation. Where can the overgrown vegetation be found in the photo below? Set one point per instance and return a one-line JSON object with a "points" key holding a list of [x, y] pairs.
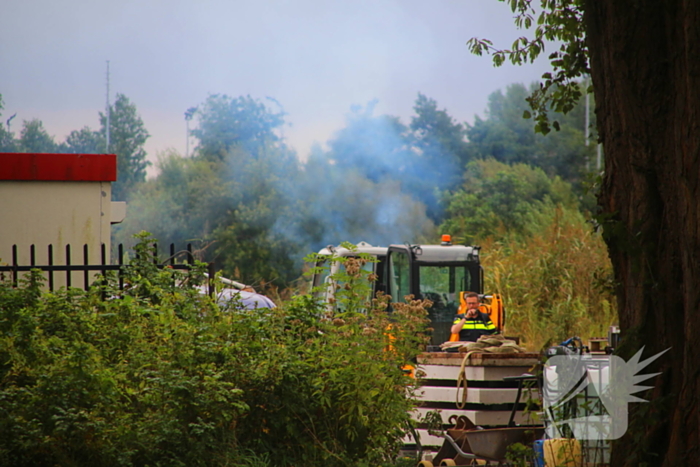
{"points": [[250, 206], [247, 203], [540, 251], [158, 374], [557, 283]]}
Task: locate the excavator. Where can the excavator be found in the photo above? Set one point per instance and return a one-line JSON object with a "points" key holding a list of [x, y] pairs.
{"points": [[439, 273], [443, 273]]}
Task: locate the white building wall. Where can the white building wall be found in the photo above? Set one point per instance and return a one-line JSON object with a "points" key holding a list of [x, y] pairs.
{"points": [[57, 213]]}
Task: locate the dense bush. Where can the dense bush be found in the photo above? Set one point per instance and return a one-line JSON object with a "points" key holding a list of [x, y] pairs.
{"points": [[160, 375]]}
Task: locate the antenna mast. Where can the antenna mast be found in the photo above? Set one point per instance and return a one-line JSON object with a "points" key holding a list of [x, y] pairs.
{"points": [[108, 112]]}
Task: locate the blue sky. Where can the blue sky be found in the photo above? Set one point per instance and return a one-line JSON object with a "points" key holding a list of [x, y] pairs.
{"points": [[316, 57]]}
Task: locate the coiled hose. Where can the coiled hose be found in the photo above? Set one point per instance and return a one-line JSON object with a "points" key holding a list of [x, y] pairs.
{"points": [[496, 344]]}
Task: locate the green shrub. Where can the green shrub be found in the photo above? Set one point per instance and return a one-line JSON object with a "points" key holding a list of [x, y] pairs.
{"points": [[158, 374]]}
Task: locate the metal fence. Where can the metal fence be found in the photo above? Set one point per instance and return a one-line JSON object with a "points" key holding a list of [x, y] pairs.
{"points": [[66, 273]]}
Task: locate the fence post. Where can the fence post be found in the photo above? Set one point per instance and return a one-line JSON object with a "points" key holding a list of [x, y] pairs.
{"points": [[68, 271], [89, 271], [103, 258], [120, 262], [211, 272], [32, 259], [86, 276], [50, 268], [14, 264]]}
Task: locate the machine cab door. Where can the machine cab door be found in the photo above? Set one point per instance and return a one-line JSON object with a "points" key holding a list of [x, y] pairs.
{"points": [[399, 275]]}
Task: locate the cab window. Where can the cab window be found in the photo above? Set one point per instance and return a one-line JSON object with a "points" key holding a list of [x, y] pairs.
{"points": [[441, 285], [399, 276]]}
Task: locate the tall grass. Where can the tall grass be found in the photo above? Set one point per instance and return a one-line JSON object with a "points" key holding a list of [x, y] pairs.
{"points": [[554, 281]]}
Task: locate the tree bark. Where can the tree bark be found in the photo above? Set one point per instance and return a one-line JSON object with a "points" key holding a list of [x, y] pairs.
{"points": [[645, 67]]}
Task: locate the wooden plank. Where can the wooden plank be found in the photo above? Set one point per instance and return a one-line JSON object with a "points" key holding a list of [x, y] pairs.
{"points": [[526, 360], [479, 373], [460, 355], [479, 417], [474, 395], [450, 372], [479, 359]]}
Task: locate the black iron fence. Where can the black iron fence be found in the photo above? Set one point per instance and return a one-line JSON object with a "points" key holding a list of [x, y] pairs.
{"points": [[66, 271]]}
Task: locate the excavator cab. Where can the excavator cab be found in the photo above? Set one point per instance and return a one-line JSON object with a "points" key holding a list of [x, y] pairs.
{"points": [[435, 272]]}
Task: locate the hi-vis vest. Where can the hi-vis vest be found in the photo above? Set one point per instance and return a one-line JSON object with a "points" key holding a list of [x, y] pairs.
{"points": [[473, 328]]}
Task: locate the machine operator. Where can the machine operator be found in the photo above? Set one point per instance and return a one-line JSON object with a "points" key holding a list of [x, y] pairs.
{"points": [[471, 323]]}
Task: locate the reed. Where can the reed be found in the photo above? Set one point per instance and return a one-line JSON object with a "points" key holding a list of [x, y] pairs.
{"points": [[555, 281]]}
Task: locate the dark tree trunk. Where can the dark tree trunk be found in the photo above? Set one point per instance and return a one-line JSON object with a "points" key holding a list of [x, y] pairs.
{"points": [[645, 61]]}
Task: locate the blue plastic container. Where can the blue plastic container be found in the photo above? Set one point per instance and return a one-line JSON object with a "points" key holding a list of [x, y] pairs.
{"points": [[538, 446]]}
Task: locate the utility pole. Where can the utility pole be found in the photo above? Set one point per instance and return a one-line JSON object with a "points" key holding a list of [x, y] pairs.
{"points": [[189, 113], [108, 112]]}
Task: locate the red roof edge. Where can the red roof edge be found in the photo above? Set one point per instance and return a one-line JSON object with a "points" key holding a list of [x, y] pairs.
{"points": [[58, 167]]}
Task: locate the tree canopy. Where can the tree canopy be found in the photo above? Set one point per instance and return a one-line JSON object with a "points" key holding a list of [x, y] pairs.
{"points": [[85, 141], [128, 134], [34, 138], [228, 198], [249, 205], [498, 199], [254, 209], [507, 137], [226, 123]]}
